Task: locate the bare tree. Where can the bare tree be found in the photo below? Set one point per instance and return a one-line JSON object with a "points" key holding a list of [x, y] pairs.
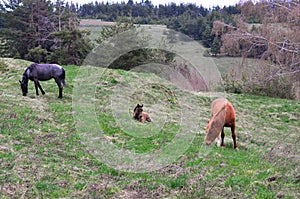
{"points": [[276, 41]]}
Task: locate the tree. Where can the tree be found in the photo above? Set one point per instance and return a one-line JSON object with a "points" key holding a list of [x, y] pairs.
{"points": [[135, 38], [207, 36], [14, 28], [216, 45], [33, 29], [276, 41], [71, 44]]}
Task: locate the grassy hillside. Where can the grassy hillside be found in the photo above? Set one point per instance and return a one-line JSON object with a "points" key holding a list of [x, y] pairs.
{"points": [[187, 51], [43, 155]]}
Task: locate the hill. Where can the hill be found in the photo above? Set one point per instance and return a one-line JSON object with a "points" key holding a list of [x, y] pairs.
{"points": [[48, 145]]}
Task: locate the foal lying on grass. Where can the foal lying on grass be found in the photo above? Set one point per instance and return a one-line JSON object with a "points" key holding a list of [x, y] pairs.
{"points": [[222, 115], [139, 115]]}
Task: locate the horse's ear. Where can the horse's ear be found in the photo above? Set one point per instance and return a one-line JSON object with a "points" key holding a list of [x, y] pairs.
{"points": [[142, 105], [20, 81]]}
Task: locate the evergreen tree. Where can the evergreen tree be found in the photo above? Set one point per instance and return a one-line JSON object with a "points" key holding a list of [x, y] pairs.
{"points": [[216, 45], [207, 37], [135, 38], [13, 33], [71, 45], [41, 32]]}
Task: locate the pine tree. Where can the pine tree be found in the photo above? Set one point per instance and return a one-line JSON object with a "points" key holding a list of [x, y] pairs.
{"points": [[216, 45], [134, 37], [39, 31], [13, 32], [207, 37]]}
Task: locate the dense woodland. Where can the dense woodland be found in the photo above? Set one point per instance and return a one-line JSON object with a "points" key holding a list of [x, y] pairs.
{"points": [[43, 31]]}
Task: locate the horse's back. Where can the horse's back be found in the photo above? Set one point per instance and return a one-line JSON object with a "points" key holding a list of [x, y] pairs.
{"points": [[218, 104], [45, 72], [49, 68]]}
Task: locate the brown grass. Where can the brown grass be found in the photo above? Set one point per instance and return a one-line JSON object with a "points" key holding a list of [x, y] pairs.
{"points": [[95, 22]]}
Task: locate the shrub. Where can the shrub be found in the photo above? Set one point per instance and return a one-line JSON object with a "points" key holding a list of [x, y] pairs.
{"points": [[3, 66], [231, 83], [260, 81]]}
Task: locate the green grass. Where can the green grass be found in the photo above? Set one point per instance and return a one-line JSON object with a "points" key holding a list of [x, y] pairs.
{"points": [[43, 155]]}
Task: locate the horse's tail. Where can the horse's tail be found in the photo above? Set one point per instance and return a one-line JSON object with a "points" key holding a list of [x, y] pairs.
{"points": [[63, 77]]}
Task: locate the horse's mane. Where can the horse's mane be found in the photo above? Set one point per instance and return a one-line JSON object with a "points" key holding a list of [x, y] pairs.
{"points": [[215, 115], [213, 128], [25, 75]]}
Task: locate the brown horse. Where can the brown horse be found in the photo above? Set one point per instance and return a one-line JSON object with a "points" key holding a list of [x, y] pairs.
{"points": [[222, 115], [139, 115]]}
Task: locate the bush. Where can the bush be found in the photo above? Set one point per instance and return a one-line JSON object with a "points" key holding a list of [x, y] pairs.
{"points": [[280, 87], [231, 83], [3, 66], [258, 82], [37, 54]]}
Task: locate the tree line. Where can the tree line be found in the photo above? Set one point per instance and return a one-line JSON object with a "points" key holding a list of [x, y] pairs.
{"points": [[42, 31], [190, 19]]}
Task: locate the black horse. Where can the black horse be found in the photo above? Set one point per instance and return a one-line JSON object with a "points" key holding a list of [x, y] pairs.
{"points": [[43, 72]]}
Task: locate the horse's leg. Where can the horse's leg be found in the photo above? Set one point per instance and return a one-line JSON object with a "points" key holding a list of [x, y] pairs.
{"points": [[148, 119], [234, 136], [36, 83], [142, 119], [222, 137], [40, 87], [60, 88], [218, 140]]}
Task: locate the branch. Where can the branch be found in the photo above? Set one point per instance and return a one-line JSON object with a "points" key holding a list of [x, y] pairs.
{"points": [[282, 74], [281, 46], [281, 6]]}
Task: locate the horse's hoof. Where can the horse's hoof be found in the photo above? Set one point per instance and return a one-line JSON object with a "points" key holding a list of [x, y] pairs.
{"points": [[236, 149]]}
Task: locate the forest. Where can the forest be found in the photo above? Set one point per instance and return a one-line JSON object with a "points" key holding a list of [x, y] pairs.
{"points": [[41, 31]]}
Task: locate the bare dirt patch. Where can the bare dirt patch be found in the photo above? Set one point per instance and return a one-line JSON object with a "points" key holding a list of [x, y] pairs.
{"points": [[95, 22]]}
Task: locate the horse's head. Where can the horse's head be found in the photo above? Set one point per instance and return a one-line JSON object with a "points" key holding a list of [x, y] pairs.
{"points": [[215, 126], [208, 139], [137, 111], [24, 87]]}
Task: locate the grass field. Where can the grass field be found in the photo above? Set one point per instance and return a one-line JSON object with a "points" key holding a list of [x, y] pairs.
{"points": [[44, 155], [183, 49]]}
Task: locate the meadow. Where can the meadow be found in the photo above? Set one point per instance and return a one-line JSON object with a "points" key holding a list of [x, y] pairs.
{"points": [[45, 154]]}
